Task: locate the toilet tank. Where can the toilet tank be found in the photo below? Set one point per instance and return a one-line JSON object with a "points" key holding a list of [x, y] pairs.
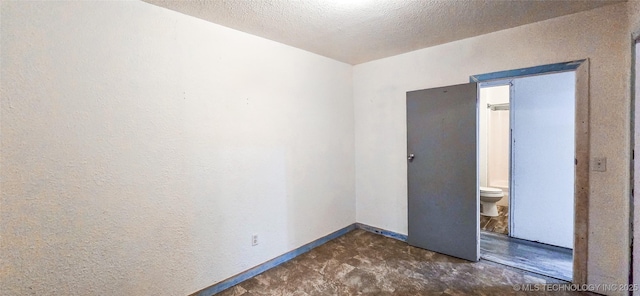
{"points": [[504, 185]]}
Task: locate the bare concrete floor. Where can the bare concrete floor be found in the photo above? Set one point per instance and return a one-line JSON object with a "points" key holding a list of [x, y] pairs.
{"points": [[363, 263]]}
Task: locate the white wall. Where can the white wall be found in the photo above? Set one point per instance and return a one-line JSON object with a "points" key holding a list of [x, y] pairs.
{"points": [[141, 148], [379, 94]]}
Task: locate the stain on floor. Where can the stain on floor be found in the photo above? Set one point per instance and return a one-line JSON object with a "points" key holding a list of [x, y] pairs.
{"points": [[363, 263]]}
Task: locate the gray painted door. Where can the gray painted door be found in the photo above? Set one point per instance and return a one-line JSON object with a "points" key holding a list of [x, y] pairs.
{"points": [[442, 170]]}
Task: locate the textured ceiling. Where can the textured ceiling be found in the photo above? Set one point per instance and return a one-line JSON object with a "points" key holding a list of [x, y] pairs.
{"points": [[357, 31]]}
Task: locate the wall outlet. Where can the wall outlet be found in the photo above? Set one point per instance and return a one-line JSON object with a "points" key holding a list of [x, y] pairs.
{"points": [[254, 240], [599, 164]]}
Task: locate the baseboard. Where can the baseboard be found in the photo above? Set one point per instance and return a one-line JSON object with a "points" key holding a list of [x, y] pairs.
{"points": [[245, 275], [380, 231]]}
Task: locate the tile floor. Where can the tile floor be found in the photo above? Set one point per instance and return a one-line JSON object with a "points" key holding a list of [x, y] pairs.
{"points": [[363, 263], [498, 224]]}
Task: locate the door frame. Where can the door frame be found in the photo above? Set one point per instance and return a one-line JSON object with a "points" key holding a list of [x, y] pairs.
{"points": [[494, 83], [582, 149], [634, 213]]}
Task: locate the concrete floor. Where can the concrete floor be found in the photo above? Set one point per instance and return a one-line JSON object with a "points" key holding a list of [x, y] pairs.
{"points": [[365, 263]]}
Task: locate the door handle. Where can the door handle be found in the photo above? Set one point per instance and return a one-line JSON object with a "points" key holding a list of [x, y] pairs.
{"points": [[411, 156]]}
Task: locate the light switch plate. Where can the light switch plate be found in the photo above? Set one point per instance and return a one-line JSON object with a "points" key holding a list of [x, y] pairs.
{"points": [[599, 164]]}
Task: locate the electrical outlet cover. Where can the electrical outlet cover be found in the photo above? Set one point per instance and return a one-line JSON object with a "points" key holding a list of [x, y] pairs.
{"points": [[599, 164]]}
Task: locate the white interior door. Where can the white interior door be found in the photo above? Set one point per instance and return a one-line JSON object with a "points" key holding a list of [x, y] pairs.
{"points": [[543, 153]]}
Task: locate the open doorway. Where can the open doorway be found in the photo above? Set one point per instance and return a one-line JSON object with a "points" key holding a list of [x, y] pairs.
{"points": [[526, 173], [443, 167], [494, 152]]}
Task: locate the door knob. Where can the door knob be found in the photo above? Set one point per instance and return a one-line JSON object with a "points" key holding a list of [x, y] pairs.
{"points": [[411, 156]]}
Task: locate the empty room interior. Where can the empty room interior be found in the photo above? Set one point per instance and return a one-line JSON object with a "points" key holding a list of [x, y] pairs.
{"points": [[318, 147]]}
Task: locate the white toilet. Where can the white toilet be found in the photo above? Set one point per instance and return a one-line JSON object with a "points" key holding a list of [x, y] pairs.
{"points": [[489, 196]]}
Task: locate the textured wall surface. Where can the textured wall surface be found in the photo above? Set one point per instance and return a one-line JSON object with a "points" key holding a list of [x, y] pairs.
{"points": [[634, 29], [634, 17], [600, 35], [636, 165], [360, 31], [141, 149]]}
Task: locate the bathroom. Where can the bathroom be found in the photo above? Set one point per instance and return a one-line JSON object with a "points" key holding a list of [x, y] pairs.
{"points": [[526, 151], [494, 157]]}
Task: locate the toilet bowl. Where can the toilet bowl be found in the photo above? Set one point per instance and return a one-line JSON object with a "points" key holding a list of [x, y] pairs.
{"points": [[489, 196]]}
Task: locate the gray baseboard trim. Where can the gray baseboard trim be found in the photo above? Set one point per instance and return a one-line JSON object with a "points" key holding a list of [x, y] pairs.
{"points": [[380, 231], [245, 275]]}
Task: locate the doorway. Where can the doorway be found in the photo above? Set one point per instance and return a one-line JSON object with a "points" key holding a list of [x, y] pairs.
{"points": [[526, 148], [454, 228]]}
